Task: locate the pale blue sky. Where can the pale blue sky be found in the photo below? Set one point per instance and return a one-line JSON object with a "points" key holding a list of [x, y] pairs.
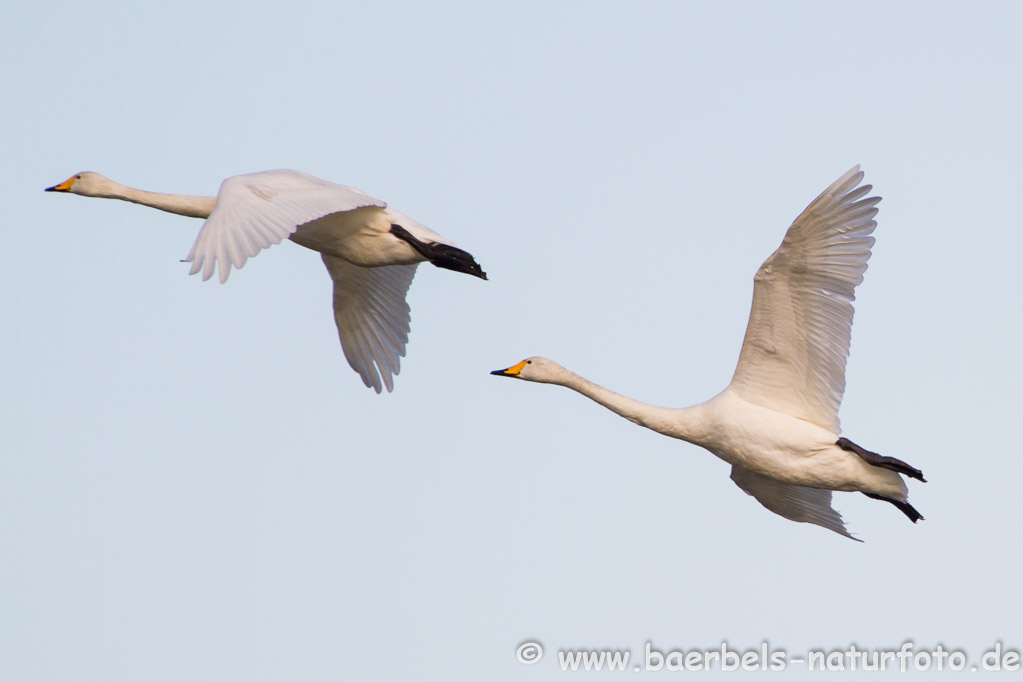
{"points": [[195, 486]]}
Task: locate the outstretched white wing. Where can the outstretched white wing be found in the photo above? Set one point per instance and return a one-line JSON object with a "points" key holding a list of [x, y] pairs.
{"points": [[372, 317], [793, 356], [794, 502], [257, 210]]}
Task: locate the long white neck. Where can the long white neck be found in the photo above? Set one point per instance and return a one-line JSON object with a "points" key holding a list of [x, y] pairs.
{"points": [[194, 207], [675, 422]]}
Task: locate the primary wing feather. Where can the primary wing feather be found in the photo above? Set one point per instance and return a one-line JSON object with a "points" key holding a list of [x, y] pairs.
{"points": [[794, 502], [793, 357], [372, 317], [258, 210]]}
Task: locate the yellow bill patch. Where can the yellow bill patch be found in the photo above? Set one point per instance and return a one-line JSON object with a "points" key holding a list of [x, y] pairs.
{"points": [[64, 186], [515, 369]]}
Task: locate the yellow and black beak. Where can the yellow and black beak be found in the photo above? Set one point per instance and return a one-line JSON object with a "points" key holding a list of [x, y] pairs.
{"points": [[64, 186], [512, 371]]}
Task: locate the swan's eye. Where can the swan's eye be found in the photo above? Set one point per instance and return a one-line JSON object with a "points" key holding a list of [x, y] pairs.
{"points": [[78, 177], [529, 362]]}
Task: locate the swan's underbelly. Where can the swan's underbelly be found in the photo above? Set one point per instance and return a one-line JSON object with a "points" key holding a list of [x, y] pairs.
{"points": [[783, 447], [361, 237]]}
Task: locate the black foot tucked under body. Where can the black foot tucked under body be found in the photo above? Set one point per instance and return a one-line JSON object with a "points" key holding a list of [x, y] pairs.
{"points": [[441, 255], [877, 460]]}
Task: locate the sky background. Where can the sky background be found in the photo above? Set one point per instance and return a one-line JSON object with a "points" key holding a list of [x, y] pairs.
{"points": [[195, 486]]}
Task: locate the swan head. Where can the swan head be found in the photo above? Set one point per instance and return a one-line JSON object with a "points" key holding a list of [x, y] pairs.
{"points": [[536, 369], [86, 183]]}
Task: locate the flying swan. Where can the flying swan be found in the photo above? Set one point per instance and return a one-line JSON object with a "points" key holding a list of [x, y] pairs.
{"points": [[777, 421], [371, 251]]}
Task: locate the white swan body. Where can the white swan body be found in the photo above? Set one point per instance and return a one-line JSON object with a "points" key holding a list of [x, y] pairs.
{"points": [[787, 449], [777, 421], [371, 251]]}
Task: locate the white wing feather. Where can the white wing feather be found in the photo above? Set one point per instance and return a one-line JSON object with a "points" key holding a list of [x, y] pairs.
{"points": [[793, 357], [258, 210], [372, 317], [794, 502]]}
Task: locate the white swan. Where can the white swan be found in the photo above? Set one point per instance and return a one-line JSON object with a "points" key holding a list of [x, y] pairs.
{"points": [[777, 421], [371, 251]]}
